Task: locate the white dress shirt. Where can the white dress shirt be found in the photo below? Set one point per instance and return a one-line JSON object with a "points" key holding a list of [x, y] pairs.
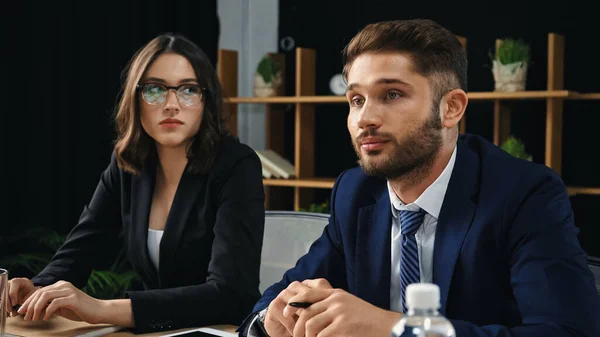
{"points": [[431, 202], [154, 237]]}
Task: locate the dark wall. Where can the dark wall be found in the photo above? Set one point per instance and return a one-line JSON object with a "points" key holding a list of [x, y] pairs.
{"points": [[68, 57], [328, 25]]}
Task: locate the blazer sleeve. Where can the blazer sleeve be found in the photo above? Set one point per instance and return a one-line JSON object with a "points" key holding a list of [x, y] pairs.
{"points": [[552, 284], [231, 288], [94, 241], [325, 259]]}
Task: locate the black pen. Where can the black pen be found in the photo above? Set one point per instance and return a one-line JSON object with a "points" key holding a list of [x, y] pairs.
{"points": [[302, 305], [16, 307]]}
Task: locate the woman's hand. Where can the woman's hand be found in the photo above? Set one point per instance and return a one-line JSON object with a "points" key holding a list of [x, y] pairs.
{"points": [[63, 299], [19, 290]]}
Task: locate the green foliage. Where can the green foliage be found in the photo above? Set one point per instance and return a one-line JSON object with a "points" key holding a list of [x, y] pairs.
{"points": [[32, 262], [512, 51], [515, 147], [36, 248], [268, 69], [317, 208], [107, 284]]}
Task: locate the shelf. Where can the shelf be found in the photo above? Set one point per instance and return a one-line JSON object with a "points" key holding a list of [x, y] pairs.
{"points": [[492, 95], [293, 182], [476, 96], [289, 99], [582, 96], [304, 101], [328, 183], [583, 190]]}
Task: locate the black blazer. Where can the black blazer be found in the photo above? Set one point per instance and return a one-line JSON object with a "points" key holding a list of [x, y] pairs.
{"points": [[210, 250]]}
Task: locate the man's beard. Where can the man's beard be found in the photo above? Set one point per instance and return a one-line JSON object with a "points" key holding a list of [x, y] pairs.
{"points": [[412, 157]]}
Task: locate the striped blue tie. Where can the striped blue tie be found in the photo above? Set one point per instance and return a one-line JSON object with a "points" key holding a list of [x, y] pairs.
{"points": [[410, 221]]}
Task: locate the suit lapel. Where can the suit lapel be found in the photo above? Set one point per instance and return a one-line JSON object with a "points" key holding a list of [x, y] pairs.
{"points": [[186, 196], [373, 254], [141, 191], [455, 219]]}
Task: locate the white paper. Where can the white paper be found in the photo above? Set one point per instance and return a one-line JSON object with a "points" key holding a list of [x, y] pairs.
{"points": [[101, 332], [206, 330]]}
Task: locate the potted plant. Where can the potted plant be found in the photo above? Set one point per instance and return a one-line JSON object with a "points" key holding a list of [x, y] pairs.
{"points": [[509, 65], [516, 147], [267, 79]]}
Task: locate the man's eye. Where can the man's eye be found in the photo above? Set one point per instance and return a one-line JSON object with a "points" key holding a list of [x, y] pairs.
{"points": [[393, 95]]}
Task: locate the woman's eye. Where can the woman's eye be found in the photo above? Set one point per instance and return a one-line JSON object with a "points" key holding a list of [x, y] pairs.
{"points": [[357, 101]]}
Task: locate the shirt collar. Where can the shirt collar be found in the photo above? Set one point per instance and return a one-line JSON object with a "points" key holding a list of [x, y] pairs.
{"points": [[432, 198]]}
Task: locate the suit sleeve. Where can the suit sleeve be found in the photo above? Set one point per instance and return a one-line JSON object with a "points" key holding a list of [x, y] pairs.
{"points": [[94, 241], [325, 259], [231, 287], [552, 284]]}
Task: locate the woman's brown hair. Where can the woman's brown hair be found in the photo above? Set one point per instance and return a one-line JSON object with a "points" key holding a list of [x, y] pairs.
{"points": [[134, 147]]}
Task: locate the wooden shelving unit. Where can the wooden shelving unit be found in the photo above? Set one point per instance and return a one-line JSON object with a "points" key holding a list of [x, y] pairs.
{"points": [[305, 99], [293, 182]]}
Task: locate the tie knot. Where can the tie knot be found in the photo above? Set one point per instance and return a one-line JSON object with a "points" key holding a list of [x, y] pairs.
{"points": [[410, 221]]}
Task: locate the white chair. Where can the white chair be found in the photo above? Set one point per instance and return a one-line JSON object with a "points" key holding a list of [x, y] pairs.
{"points": [[594, 264], [288, 236]]}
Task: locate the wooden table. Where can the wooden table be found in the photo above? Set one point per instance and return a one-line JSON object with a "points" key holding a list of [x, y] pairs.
{"points": [[62, 327]]}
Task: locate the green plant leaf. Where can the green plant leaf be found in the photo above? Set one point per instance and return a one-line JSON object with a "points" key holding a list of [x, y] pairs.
{"points": [[267, 68], [317, 208], [108, 284], [33, 262], [515, 147], [512, 51], [45, 237]]}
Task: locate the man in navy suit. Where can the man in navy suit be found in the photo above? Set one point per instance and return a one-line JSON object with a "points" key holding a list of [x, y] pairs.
{"points": [[494, 232]]}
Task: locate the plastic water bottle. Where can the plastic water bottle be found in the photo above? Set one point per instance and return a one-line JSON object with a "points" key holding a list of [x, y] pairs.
{"points": [[422, 318]]}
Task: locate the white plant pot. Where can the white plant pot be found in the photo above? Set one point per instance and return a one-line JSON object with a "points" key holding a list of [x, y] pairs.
{"points": [[262, 89], [509, 77]]}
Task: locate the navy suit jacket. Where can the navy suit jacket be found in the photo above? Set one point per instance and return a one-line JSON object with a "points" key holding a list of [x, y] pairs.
{"points": [[506, 256]]}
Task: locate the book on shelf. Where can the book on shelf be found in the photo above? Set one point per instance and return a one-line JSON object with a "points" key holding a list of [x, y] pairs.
{"points": [[274, 165]]}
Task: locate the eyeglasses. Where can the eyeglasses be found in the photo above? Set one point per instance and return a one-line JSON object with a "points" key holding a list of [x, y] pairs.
{"points": [[156, 93]]}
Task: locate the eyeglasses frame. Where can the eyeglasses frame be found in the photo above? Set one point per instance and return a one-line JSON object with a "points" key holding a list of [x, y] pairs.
{"points": [[169, 88]]}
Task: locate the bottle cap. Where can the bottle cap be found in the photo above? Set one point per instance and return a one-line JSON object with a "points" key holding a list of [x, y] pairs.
{"points": [[422, 296]]}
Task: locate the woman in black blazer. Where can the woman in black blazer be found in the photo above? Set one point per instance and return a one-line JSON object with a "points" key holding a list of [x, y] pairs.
{"points": [[182, 196]]}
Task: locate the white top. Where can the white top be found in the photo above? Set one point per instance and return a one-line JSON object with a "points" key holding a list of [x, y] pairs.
{"points": [[154, 237], [431, 202]]}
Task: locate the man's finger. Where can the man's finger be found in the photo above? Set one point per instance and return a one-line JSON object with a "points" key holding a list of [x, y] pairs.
{"points": [[317, 283], [309, 298], [277, 307], [308, 315], [322, 325], [297, 287]]}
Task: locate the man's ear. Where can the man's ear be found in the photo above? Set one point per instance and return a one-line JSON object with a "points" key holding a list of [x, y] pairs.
{"points": [[453, 107]]}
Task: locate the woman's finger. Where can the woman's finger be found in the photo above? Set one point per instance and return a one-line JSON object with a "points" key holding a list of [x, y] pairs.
{"points": [[59, 303]]}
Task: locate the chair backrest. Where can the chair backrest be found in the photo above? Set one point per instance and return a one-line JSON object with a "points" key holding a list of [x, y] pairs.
{"points": [[594, 264], [288, 236]]}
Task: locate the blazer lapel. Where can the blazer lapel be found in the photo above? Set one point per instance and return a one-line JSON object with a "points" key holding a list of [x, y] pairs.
{"points": [[187, 195], [373, 253], [141, 197], [455, 219]]}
